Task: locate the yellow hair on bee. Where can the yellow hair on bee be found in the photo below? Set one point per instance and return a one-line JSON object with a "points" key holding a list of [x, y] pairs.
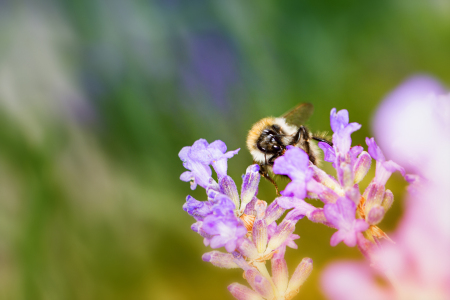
{"points": [[256, 131]]}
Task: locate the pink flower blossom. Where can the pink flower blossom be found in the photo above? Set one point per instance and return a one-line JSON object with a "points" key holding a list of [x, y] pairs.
{"points": [[411, 119]]}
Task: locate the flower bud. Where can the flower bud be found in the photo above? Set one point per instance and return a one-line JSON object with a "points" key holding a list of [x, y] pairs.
{"points": [[220, 259], [325, 179], [318, 216], [247, 248], [387, 200], [260, 208], [249, 185], [260, 235], [345, 172], [273, 212], [362, 166], [375, 195], [284, 230], [375, 215], [241, 292], [301, 273], [229, 188], [197, 227], [211, 193], [263, 287], [198, 209], [213, 185], [240, 261], [324, 193], [280, 275], [250, 275], [250, 207]]}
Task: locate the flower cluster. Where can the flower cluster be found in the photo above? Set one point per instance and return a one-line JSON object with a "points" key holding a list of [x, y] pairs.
{"points": [[243, 224], [417, 266], [345, 208]]}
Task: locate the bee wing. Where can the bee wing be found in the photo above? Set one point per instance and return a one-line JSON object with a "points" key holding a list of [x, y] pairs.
{"points": [[299, 114]]}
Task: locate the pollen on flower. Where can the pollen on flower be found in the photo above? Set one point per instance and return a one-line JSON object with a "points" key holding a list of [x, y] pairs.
{"points": [[248, 221], [373, 230]]}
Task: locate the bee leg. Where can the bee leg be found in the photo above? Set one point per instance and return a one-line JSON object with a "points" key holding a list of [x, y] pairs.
{"points": [[302, 138], [322, 140], [266, 175]]}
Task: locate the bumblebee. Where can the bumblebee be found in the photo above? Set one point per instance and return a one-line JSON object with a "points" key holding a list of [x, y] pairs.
{"points": [[268, 138]]}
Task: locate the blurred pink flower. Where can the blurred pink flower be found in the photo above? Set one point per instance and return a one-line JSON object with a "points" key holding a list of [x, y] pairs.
{"points": [[413, 127]]}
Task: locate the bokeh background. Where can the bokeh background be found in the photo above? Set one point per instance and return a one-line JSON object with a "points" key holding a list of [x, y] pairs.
{"points": [[97, 97]]}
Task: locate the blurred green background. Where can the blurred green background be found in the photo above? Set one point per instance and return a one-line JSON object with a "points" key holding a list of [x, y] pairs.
{"points": [[97, 97]]}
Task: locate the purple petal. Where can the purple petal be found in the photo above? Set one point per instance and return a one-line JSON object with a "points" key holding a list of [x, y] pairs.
{"points": [[384, 171], [342, 139], [250, 184], [223, 205], [220, 165], [341, 213], [293, 163], [374, 150], [198, 209], [350, 239], [290, 241], [298, 213], [337, 237], [226, 231], [219, 145], [230, 245], [183, 154], [200, 174], [199, 152], [189, 176], [296, 189], [360, 225], [230, 154], [328, 152], [347, 208], [229, 188], [301, 207], [391, 166], [375, 215], [355, 151], [338, 120], [186, 176]]}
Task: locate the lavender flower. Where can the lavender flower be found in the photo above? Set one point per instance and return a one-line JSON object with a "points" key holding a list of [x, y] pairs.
{"points": [[277, 286], [345, 208], [384, 168], [417, 265], [295, 164], [342, 129], [225, 231], [248, 230], [342, 215], [199, 156], [219, 157], [244, 225]]}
